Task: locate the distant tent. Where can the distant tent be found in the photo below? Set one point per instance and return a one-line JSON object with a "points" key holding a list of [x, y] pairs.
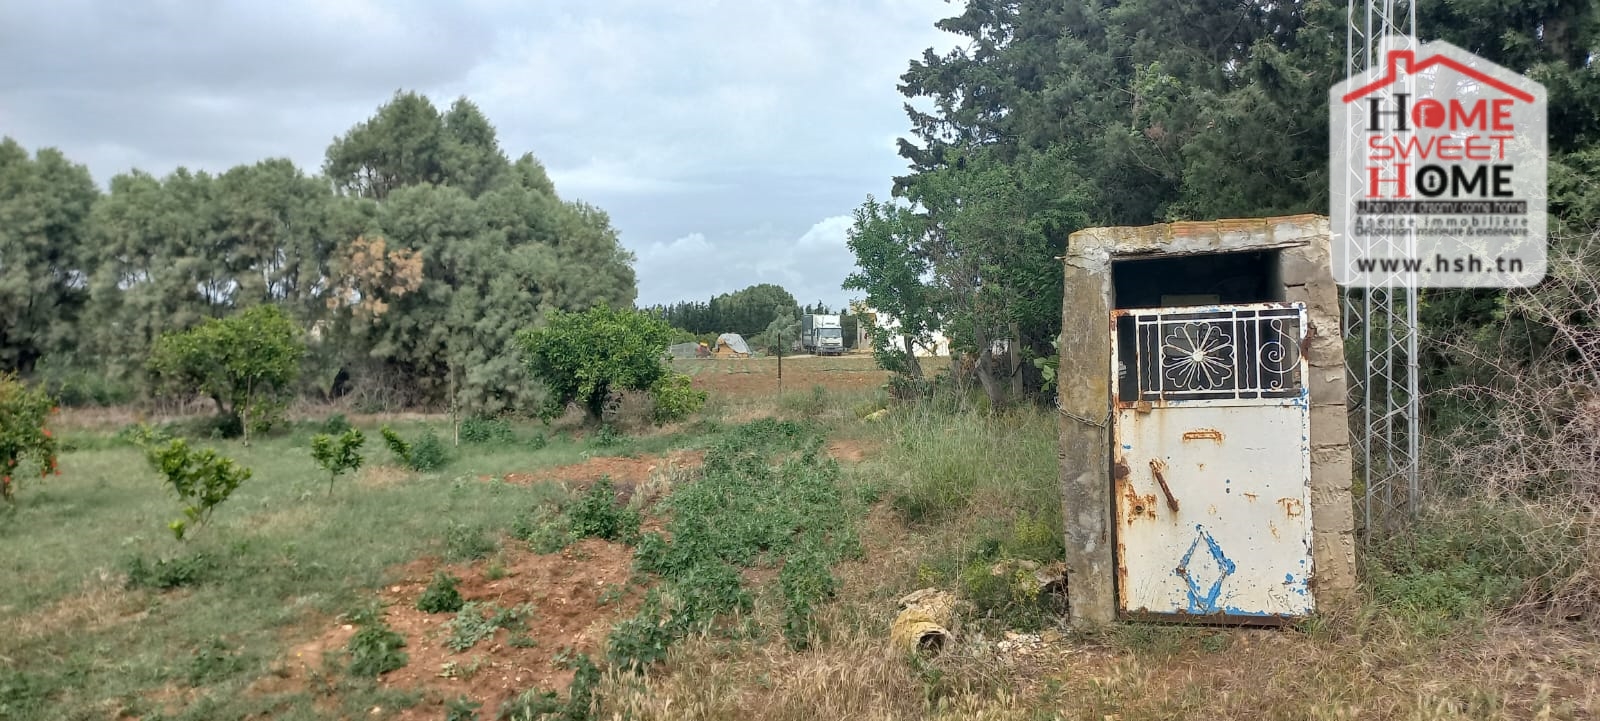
{"points": [[732, 344]]}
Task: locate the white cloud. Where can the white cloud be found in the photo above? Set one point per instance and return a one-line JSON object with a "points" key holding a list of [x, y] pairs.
{"points": [[828, 233]]}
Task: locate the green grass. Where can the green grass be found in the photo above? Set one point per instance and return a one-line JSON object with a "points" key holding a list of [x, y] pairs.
{"points": [[279, 555]]}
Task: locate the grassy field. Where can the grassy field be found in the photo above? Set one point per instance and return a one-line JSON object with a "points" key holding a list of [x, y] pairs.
{"points": [[749, 560]]}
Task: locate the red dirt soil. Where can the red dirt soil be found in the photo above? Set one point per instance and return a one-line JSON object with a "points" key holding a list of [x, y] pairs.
{"points": [[565, 590]]}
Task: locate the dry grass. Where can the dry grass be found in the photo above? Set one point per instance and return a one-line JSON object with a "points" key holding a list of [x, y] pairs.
{"points": [[101, 602], [1365, 666]]}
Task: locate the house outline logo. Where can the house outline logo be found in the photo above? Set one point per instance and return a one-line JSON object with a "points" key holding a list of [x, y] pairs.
{"points": [[1437, 172], [1396, 58]]}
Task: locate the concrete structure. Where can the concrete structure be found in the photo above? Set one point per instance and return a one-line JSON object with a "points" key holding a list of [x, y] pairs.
{"points": [[1237, 271]]}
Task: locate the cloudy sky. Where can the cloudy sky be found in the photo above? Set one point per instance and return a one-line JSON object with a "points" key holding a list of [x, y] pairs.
{"points": [[728, 140]]}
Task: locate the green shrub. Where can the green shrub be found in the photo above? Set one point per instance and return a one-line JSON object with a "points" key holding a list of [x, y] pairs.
{"points": [[247, 362], [464, 542], [338, 456], [1455, 568], [335, 425], [23, 436], [596, 515], [675, 398], [480, 430], [641, 641], [397, 445], [1011, 598], [441, 596], [429, 453], [745, 510], [532, 705], [808, 405], [375, 648], [477, 621], [546, 705], [214, 662], [806, 582], [545, 528], [462, 709], [585, 357], [202, 480], [166, 574], [607, 437], [77, 385], [1034, 537], [538, 442]]}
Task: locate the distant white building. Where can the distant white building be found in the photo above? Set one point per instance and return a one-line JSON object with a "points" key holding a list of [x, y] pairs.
{"points": [[868, 317]]}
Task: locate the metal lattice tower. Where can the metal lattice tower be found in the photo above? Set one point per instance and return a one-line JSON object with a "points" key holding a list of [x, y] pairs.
{"points": [[1382, 321]]}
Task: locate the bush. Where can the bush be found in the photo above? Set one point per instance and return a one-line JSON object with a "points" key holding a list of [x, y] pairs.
{"points": [[585, 357], [375, 649], [335, 425], [597, 515], [806, 581], [214, 662], [744, 511], [462, 709], [246, 363], [1455, 567], [165, 574], [807, 405], [23, 436], [607, 437], [429, 453], [480, 430], [675, 398], [441, 596], [466, 543], [478, 621], [545, 528]]}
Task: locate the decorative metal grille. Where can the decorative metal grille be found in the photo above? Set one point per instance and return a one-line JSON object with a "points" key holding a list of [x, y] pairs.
{"points": [[1233, 354]]}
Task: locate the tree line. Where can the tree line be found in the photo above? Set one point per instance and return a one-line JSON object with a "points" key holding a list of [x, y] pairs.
{"points": [[411, 259], [750, 312], [1058, 115]]}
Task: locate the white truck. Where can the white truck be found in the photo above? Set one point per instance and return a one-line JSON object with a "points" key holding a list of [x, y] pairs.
{"points": [[822, 334]]}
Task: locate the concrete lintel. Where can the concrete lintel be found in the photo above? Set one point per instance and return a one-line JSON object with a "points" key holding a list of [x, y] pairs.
{"points": [[1196, 237]]}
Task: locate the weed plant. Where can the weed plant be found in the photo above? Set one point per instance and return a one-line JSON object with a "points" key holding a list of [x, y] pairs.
{"points": [[767, 496]]}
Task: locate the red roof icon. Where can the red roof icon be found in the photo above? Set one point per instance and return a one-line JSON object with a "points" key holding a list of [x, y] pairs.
{"points": [[1409, 58]]}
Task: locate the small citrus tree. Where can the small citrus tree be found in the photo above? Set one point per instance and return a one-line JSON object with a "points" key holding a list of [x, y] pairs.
{"points": [[585, 357], [23, 436], [339, 455], [201, 478], [245, 363]]}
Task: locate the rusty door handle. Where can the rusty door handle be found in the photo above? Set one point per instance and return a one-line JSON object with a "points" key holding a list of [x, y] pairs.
{"points": [[1156, 469]]}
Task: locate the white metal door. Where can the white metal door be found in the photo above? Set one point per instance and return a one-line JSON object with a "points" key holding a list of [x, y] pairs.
{"points": [[1212, 463]]}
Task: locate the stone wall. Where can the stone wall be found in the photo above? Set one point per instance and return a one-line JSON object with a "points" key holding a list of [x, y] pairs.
{"points": [[1085, 403]]}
